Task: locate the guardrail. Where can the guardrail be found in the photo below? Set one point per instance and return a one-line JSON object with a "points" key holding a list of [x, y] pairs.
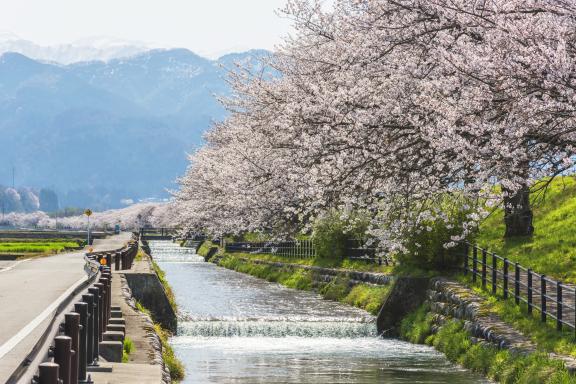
{"points": [[551, 298], [77, 347]]}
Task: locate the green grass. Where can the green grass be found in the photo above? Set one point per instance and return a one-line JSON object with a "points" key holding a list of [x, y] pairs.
{"points": [[364, 296], [175, 366], [205, 248], [499, 365], [544, 335], [319, 262], [37, 246], [167, 288], [552, 248], [128, 348]]}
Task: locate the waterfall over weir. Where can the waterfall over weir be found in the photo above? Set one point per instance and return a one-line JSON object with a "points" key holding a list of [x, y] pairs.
{"points": [[235, 328]]}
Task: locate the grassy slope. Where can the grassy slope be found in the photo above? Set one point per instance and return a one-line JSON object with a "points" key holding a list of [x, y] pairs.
{"points": [[499, 365], [552, 249], [325, 263], [364, 296]]}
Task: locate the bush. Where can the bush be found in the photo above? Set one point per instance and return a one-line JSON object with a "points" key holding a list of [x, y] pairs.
{"points": [[331, 231], [425, 243]]}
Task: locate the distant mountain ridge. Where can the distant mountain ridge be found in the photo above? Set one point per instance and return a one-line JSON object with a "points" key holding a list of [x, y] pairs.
{"points": [[88, 49], [99, 132]]}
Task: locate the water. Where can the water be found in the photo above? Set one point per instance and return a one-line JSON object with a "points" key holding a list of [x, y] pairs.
{"points": [[238, 329]]}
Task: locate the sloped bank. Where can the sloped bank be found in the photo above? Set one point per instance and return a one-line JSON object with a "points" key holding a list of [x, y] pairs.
{"points": [[364, 290], [453, 320]]}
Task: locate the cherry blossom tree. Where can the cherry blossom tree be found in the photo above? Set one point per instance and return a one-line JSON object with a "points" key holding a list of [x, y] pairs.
{"points": [[411, 110]]}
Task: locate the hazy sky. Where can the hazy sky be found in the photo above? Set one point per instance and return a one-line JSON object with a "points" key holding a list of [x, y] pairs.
{"points": [[208, 27]]}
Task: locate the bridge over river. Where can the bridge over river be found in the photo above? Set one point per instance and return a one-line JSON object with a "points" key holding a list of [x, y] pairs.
{"points": [[235, 328]]}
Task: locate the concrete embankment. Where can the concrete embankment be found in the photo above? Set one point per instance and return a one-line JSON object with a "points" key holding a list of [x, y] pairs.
{"points": [[144, 363]]}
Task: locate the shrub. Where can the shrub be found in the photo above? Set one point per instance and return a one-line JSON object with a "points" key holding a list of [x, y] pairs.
{"points": [[425, 243], [331, 231]]}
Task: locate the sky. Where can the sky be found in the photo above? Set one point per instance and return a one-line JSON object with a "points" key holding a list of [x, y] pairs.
{"points": [[207, 27]]}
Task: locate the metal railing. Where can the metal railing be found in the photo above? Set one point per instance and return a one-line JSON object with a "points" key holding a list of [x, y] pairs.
{"points": [[355, 250], [292, 249], [551, 298]]}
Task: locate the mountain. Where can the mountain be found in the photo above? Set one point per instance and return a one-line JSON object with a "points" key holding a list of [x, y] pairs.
{"points": [[102, 132], [95, 48]]}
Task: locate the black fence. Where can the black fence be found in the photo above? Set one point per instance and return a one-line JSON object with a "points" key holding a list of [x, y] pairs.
{"points": [[551, 298], [355, 250], [294, 249]]}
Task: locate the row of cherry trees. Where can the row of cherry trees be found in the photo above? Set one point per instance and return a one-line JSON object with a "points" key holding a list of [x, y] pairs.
{"points": [[130, 218], [415, 112]]}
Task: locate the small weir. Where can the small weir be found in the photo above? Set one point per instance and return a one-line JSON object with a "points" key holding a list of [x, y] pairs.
{"points": [[235, 328]]}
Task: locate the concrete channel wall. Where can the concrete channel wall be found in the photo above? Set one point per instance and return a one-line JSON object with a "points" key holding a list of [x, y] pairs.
{"points": [[148, 290]]}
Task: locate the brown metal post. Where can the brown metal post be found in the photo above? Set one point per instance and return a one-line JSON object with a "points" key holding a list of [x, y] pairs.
{"points": [[48, 373], [62, 357], [96, 323], [101, 309], [117, 261], [72, 329], [89, 299], [106, 293], [82, 309]]}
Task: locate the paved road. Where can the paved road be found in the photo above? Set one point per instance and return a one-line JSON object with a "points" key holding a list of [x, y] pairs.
{"points": [[28, 289]]}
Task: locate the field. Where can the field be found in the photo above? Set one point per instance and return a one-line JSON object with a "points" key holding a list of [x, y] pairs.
{"points": [[33, 247]]}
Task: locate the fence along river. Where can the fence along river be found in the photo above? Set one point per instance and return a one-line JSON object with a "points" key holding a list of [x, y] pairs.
{"points": [[235, 328]]}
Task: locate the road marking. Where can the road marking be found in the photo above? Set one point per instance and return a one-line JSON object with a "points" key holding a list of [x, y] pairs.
{"points": [[14, 265], [24, 332]]}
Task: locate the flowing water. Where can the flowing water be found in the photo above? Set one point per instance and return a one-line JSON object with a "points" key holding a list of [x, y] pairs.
{"points": [[235, 328]]}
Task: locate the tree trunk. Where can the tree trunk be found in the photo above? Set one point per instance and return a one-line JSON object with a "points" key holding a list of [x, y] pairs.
{"points": [[518, 213]]}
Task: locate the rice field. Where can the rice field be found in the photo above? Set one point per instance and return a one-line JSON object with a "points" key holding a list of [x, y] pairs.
{"points": [[37, 246]]}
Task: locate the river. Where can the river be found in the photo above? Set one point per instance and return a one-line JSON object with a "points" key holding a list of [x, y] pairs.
{"points": [[235, 328]]}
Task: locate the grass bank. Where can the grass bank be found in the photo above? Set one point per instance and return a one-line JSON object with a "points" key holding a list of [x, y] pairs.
{"points": [[544, 335], [174, 366], [552, 248], [364, 296], [499, 365]]}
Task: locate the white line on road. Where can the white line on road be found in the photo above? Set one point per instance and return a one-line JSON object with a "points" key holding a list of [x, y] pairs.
{"points": [[13, 266], [24, 332]]}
